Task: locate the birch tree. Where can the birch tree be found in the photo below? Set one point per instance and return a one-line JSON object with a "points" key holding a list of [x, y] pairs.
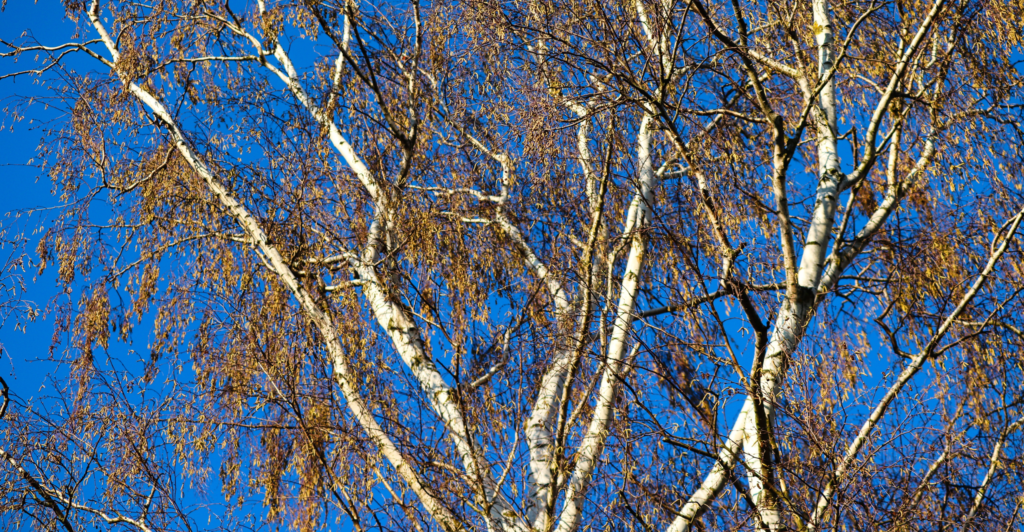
{"points": [[527, 266]]}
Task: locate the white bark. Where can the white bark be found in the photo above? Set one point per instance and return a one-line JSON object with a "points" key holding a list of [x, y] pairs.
{"points": [[895, 191], [539, 438], [993, 464], [274, 260], [407, 340], [791, 323], [871, 136], [716, 479], [43, 493], [829, 174], [539, 428], [796, 311], [792, 320], [540, 441], [399, 326], [597, 433]]}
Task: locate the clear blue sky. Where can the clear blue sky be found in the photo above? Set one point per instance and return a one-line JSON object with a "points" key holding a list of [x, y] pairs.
{"points": [[23, 185]]}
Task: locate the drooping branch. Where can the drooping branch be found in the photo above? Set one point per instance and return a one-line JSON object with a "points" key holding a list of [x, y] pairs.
{"points": [[926, 353], [345, 375], [40, 492]]}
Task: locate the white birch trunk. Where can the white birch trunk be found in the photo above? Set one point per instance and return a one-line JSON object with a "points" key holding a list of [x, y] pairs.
{"points": [[792, 321], [539, 436], [540, 441], [399, 326], [791, 324], [717, 478], [275, 261], [593, 442]]}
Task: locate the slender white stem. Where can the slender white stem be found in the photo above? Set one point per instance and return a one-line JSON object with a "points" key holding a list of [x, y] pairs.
{"points": [[597, 433], [275, 261], [993, 464]]}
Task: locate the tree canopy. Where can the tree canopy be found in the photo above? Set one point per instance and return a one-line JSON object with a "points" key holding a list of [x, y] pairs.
{"points": [[546, 266]]}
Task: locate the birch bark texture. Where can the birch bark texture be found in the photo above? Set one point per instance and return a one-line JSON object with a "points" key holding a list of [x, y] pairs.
{"points": [[526, 266]]}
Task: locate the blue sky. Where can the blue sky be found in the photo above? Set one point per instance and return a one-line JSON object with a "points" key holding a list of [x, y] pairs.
{"points": [[24, 187]]}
